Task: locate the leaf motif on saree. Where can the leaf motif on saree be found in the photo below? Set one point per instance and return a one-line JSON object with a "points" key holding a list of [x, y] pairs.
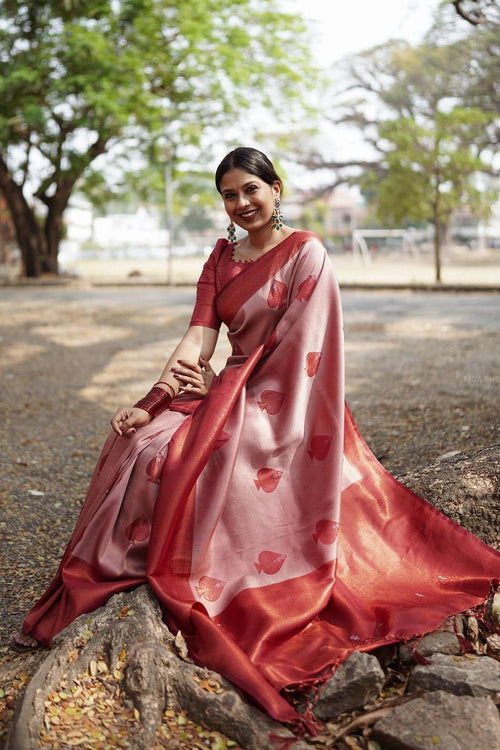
{"points": [[154, 467], [209, 588], [319, 447], [326, 531], [138, 530], [313, 360], [271, 401], [277, 296], [306, 288], [267, 479], [269, 562]]}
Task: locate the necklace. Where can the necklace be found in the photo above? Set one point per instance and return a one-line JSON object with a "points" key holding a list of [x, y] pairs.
{"points": [[245, 260]]}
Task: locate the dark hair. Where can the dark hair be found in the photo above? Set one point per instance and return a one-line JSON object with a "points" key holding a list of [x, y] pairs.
{"points": [[251, 160]]}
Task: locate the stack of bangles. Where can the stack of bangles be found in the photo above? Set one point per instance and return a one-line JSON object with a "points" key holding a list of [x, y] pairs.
{"points": [[157, 400]]}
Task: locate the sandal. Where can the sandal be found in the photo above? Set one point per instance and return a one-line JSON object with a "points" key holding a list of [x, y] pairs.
{"points": [[29, 644]]}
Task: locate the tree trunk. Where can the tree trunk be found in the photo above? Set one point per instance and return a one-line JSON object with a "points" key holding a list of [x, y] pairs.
{"points": [[124, 649], [54, 229], [29, 233]]}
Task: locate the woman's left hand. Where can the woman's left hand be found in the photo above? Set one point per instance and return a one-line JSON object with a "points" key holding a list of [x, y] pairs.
{"points": [[194, 378]]}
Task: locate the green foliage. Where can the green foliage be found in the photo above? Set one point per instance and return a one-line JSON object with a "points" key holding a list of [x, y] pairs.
{"points": [[79, 77], [433, 135]]}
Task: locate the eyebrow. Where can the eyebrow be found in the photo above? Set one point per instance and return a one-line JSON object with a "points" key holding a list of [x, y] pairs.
{"points": [[231, 190]]}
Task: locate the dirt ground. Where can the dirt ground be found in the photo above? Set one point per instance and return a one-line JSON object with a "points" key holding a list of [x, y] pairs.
{"points": [[417, 391]]}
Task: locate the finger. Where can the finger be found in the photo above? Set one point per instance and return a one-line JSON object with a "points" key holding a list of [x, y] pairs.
{"points": [[192, 366], [206, 365], [189, 379]]}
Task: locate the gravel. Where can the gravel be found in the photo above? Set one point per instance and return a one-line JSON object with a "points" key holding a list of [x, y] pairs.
{"points": [[417, 390]]}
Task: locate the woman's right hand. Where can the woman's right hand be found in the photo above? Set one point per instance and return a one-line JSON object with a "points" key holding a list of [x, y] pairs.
{"points": [[126, 420]]}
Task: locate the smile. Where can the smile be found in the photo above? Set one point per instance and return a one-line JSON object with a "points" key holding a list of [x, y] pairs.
{"points": [[249, 214]]}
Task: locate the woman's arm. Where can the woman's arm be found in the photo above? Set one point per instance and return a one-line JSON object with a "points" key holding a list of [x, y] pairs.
{"points": [[198, 343]]}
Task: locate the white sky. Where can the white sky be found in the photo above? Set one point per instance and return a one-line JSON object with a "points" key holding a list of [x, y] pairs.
{"points": [[354, 25]]}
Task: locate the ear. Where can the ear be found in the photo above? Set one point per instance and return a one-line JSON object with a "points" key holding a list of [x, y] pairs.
{"points": [[277, 188]]}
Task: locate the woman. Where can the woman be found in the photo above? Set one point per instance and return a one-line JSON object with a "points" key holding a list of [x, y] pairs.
{"points": [[227, 499]]}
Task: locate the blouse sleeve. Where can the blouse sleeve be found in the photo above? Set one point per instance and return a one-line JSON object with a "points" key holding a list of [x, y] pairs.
{"points": [[205, 310]]}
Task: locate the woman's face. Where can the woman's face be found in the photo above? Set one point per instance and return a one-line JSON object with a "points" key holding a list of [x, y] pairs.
{"points": [[248, 200]]}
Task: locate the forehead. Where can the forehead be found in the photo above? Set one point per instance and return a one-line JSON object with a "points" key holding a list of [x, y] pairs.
{"points": [[237, 178]]}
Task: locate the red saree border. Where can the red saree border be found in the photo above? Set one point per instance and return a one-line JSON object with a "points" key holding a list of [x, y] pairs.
{"points": [[263, 269]]}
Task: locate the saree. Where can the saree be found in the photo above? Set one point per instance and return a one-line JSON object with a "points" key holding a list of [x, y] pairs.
{"points": [[275, 541]]}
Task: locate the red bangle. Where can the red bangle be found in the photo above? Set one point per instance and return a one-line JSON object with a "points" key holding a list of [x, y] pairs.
{"points": [[156, 401], [163, 382]]}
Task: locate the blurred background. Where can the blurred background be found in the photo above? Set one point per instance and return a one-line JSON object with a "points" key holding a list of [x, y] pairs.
{"points": [[381, 115]]}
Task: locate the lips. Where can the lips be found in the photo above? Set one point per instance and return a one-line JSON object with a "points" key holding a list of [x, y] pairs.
{"points": [[246, 215]]}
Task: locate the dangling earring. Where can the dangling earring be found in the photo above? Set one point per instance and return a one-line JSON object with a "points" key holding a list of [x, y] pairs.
{"points": [[231, 232], [277, 216]]}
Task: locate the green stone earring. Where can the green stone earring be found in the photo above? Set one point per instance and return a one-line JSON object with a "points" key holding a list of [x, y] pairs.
{"points": [[231, 232], [277, 216]]}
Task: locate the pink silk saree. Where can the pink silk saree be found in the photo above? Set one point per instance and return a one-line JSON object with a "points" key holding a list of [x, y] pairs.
{"points": [[274, 539]]}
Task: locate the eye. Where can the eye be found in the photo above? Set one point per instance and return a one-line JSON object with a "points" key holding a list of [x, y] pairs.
{"points": [[228, 196], [251, 188]]}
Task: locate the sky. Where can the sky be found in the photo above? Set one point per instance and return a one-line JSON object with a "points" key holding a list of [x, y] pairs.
{"points": [[354, 25]]}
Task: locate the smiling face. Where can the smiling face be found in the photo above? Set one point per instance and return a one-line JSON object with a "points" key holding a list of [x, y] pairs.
{"points": [[248, 200]]}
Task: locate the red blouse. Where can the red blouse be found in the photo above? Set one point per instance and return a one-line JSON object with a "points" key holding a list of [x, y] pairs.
{"points": [[217, 271]]}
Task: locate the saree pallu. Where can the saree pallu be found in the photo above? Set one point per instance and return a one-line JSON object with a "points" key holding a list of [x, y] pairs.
{"points": [[274, 539]]}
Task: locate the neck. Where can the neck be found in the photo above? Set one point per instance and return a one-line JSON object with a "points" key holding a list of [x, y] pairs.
{"points": [[261, 238]]}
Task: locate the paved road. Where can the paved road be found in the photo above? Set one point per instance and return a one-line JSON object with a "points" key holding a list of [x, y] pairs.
{"points": [[468, 310]]}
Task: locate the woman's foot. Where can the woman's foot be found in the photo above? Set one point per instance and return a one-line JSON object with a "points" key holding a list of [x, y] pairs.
{"points": [[21, 642]]}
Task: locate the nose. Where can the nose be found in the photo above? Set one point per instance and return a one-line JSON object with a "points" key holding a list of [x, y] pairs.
{"points": [[242, 200]]}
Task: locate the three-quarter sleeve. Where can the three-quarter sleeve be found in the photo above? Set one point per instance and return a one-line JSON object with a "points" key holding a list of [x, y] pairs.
{"points": [[205, 309]]}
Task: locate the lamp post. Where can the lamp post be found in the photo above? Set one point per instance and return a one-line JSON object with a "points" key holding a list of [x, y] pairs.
{"points": [[169, 214]]}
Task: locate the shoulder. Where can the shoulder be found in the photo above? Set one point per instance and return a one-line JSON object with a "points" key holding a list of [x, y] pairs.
{"points": [[303, 237], [218, 251]]}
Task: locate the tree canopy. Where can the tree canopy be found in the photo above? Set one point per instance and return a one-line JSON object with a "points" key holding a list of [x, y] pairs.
{"points": [[77, 77], [430, 117]]}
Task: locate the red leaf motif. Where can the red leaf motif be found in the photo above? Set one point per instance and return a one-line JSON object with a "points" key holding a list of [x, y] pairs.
{"points": [[154, 467], [267, 479], [277, 294], [209, 588], [320, 445], [306, 288], [326, 532], [270, 562], [138, 530], [313, 360], [271, 401]]}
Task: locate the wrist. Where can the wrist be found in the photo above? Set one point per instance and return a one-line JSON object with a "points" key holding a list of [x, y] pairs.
{"points": [[156, 401]]}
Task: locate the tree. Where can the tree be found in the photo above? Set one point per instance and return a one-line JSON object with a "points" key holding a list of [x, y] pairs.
{"points": [[80, 77], [430, 136], [429, 171]]}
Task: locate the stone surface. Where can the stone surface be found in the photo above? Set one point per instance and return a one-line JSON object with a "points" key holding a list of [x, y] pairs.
{"points": [[441, 721], [356, 682], [474, 675], [438, 642]]}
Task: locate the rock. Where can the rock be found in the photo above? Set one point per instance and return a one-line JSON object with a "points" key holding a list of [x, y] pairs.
{"points": [[154, 678], [437, 642], [473, 675], [495, 610], [440, 720], [356, 682]]}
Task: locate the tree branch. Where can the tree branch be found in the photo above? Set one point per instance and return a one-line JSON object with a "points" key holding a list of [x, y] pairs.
{"points": [[475, 18]]}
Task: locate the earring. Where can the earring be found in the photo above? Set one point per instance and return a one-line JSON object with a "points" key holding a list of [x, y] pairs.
{"points": [[277, 215], [231, 232]]}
